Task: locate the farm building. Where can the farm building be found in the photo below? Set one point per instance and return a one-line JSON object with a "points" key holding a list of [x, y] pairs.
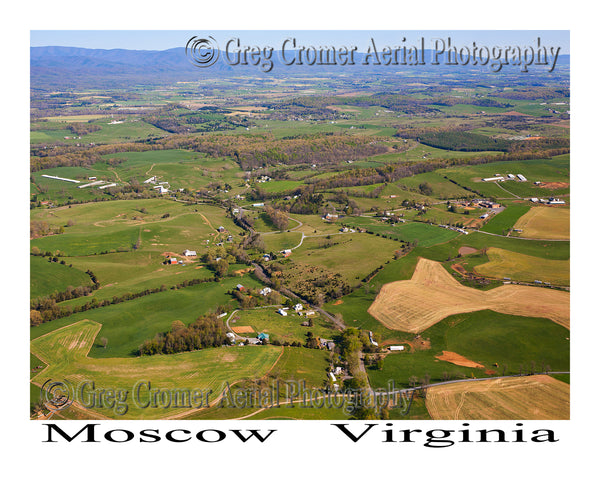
{"points": [[265, 291], [492, 179], [230, 336], [521, 177], [172, 261], [282, 312], [61, 178], [263, 336], [258, 204], [189, 253], [298, 307], [161, 189], [332, 376], [240, 287], [396, 348], [556, 201], [221, 229], [92, 184], [286, 253], [534, 199], [309, 313], [485, 215], [511, 176], [151, 180]]}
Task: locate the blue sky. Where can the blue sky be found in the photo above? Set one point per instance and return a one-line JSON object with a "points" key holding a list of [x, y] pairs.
{"points": [[165, 39]]}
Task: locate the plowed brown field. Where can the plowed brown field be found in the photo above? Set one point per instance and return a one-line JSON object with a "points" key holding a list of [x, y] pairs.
{"points": [[536, 397], [432, 294]]}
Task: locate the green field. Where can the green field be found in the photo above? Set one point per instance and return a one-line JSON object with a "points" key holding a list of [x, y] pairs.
{"points": [[484, 337], [65, 351], [502, 222], [279, 328], [63, 276], [423, 234], [128, 324]]}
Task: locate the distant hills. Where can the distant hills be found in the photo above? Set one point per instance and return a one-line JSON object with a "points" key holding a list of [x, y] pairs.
{"points": [[56, 65]]}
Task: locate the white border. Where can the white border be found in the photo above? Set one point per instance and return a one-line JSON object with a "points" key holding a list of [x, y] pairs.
{"points": [[304, 449]]}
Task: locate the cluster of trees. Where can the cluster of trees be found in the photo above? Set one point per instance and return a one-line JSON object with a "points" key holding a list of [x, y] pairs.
{"points": [[207, 331], [80, 129], [252, 298], [313, 283], [308, 203], [278, 218], [205, 120], [463, 141]]}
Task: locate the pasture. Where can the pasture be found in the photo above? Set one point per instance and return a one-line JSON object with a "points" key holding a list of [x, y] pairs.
{"points": [[127, 325], [502, 222], [502, 344], [424, 234], [63, 276]]}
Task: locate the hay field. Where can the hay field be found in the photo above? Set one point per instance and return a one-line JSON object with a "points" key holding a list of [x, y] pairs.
{"points": [[549, 223], [524, 268], [536, 397], [432, 294]]}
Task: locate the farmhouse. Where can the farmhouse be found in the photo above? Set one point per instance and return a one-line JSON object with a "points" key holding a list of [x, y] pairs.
{"points": [[189, 253], [298, 307], [263, 336], [265, 291]]}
